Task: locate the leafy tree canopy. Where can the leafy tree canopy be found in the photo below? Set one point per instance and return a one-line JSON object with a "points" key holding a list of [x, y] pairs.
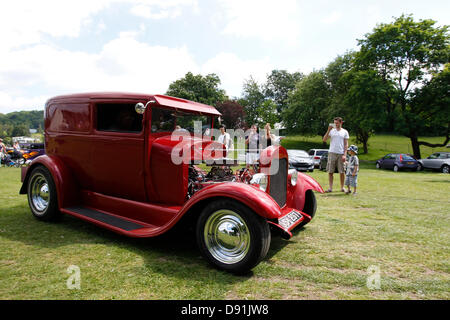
{"points": [[203, 89]]}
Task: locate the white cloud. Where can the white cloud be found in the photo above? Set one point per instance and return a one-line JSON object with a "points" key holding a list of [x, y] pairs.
{"points": [[161, 9], [24, 22], [232, 71], [124, 64], [333, 17], [264, 19]]}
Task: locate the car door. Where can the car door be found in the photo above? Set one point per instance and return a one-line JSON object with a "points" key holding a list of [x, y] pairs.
{"points": [[388, 162], [117, 150], [432, 162]]}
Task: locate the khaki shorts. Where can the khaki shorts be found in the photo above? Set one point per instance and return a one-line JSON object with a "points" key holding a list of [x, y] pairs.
{"points": [[335, 159]]}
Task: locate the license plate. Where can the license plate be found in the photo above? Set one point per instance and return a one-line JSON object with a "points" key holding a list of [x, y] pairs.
{"points": [[288, 220], [410, 162]]}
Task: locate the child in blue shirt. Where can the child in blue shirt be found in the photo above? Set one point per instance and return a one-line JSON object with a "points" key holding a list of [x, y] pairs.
{"points": [[351, 174]]}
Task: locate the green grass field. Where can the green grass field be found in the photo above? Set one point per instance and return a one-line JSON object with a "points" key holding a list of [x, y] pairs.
{"points": [[398, 223], [379, 145]]}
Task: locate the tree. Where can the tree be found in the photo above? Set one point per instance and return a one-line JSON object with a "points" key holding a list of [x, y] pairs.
{"points": [[252, 100], [431, 105], [279, 84], [356, 96], [363, 103], [405, 54], [233, 115], [20, 130], [203, 89], [307, 104]]}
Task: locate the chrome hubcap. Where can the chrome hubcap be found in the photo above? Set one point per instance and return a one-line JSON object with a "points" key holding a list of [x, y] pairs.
{"points": [[227, 236], [40, 195]]}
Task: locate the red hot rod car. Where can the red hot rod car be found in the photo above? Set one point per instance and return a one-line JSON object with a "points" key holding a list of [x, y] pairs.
{"points": [[108, 161]]}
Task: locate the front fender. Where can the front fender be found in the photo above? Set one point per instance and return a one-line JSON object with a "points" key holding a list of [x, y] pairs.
{"points": [[254, 198], [64, 182], [296, 194]]}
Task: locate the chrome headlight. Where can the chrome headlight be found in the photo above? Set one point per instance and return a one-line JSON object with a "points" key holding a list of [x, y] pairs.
{"points": [[294, 174], [261, 180]]}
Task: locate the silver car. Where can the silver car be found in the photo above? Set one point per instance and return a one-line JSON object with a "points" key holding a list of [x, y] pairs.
{"points": [[300, 160], [437, 161]]}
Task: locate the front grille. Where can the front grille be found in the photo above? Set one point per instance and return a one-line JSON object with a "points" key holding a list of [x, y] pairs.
{"points": [[278, 181]]}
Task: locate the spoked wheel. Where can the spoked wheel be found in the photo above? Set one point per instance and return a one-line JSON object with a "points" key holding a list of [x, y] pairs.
{"points": [[42, 197], [419, 167], [396, 168], [445, 169], [231, 236], [378, 165]]}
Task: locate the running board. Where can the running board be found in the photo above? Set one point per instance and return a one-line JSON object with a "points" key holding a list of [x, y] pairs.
{"points": [[106, 218], [112, 222]]}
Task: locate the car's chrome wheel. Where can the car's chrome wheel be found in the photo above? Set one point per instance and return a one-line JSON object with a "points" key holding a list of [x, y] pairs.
{"points": [[231, 236], [445, 169], [227, 236], [395, 168], [378, 165], [40, 195]]}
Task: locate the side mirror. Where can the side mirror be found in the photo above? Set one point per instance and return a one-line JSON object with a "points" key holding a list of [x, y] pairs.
{"points": [[140, 108]]}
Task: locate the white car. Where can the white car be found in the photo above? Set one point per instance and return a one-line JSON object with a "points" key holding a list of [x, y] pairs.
{"points": [[316, 154]]}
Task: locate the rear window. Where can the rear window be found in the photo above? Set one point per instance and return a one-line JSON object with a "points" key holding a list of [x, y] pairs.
{"points": [[319, 153], [69, 117], [407, 157]]}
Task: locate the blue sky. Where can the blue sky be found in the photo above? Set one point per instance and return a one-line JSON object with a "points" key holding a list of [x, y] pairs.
{"points": [[52, 47]]}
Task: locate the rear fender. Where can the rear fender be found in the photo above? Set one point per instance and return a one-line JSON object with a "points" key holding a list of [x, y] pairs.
{"points": [[65, 184]]}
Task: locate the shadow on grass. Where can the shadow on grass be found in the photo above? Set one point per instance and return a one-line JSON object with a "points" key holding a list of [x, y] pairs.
{"points": [[174, 254]]}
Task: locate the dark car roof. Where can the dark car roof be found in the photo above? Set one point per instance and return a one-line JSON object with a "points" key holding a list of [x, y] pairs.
{"points": [[167, 101]]}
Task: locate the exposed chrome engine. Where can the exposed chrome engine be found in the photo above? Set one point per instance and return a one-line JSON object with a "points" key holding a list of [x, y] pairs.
{"points": [[198, 178]]}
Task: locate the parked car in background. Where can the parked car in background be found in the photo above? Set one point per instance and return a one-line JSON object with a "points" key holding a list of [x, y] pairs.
{"points": [[323, 161], [397, 162], [300, 160], [316, 154], [437, 161]]}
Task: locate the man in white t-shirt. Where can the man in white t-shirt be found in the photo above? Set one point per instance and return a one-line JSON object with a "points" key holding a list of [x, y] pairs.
{"points": [[337, 152]]}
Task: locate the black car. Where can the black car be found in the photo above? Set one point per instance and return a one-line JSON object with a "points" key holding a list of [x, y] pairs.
{"points": [[300, 160]]}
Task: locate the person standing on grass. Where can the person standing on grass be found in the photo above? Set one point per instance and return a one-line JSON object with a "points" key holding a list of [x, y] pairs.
{"points": [[337, 152], [351, 173]]}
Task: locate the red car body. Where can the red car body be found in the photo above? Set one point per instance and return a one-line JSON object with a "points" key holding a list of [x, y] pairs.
{"points": [[126, 181]]}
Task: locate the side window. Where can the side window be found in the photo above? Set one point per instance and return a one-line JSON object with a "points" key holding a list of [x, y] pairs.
{"points": [[163, 120], [434, 156], [68, 118], [311, 152], [118, 117]]}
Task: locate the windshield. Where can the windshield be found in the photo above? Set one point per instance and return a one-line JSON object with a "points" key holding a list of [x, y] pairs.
{"points": [[298, 153], [168, 120]]}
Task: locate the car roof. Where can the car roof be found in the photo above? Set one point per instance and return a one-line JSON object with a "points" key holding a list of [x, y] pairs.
{"points": [[163, 100]]}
